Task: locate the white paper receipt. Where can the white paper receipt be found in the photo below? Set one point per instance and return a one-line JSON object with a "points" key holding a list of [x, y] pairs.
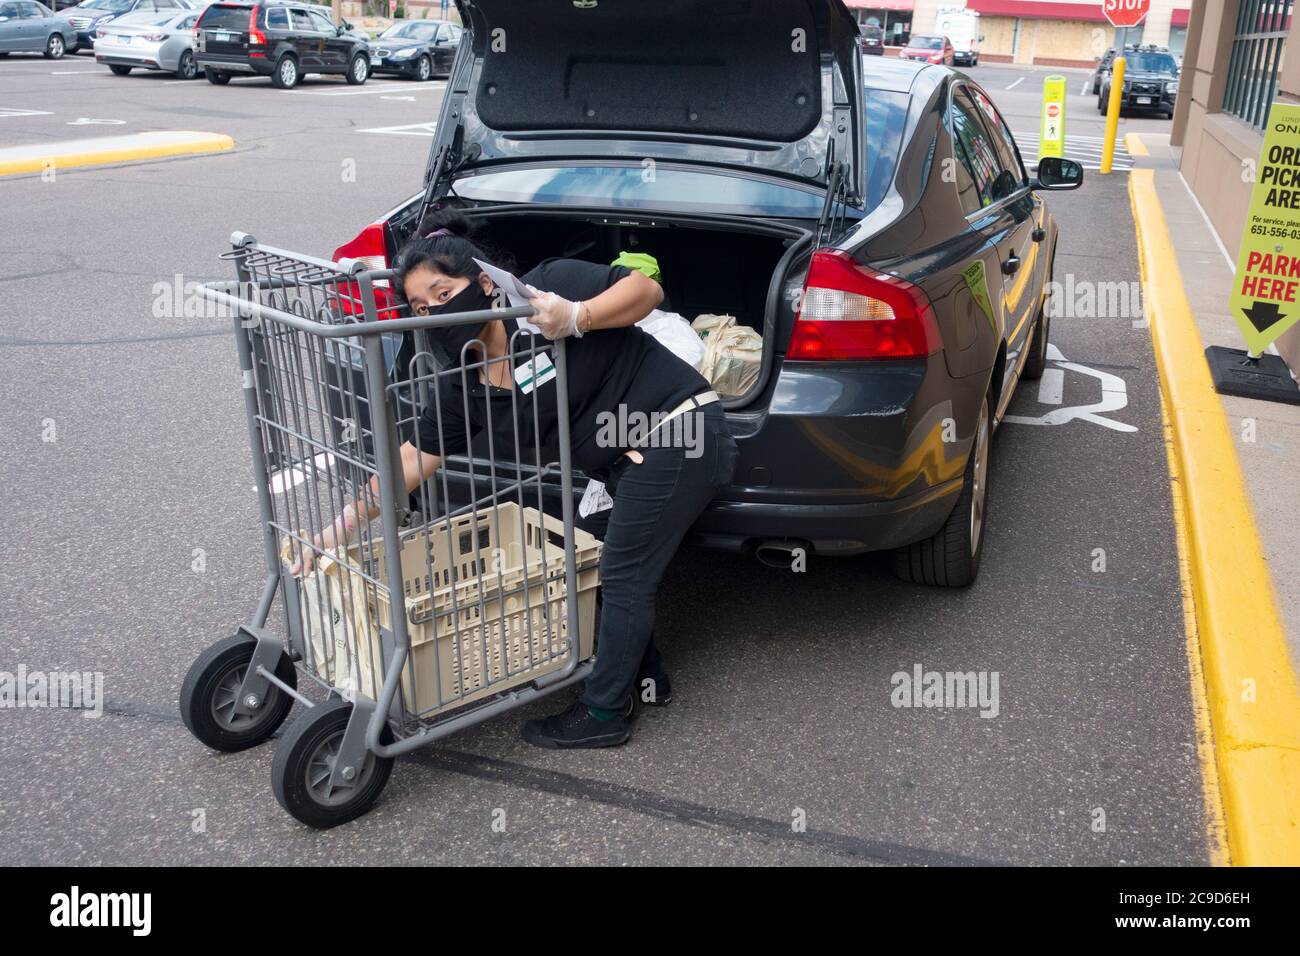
{"points": [[516, 290], [534, 373]]}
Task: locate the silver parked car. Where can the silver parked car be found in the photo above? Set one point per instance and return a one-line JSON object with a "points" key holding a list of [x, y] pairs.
{"points": [[30, 27], [149, 41]]}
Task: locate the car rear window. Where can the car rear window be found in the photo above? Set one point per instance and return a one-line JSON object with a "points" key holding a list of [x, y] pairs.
{"points": [[226, 18], [886, 116]]}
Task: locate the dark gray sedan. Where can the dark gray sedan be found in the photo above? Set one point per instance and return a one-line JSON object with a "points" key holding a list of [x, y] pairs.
{"points": [[869, 220], [418, 49], [27, 26]]}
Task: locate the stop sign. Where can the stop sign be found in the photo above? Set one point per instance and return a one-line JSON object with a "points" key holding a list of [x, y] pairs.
{"points": [[1125, 13]]}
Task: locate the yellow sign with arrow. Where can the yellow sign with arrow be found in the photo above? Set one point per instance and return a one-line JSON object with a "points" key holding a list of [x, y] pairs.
{"points": [[1266, 290]]}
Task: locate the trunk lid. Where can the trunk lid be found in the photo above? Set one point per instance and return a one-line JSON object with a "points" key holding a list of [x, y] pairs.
{"points": [[770, 86]]}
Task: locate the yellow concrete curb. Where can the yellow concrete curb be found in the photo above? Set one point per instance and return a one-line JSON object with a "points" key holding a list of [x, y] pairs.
{"points": [[1133, 143], [38, 157], [1252, 692]]}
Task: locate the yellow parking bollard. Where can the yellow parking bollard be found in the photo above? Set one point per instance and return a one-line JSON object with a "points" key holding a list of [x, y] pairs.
{"points": [[1112, 113]]}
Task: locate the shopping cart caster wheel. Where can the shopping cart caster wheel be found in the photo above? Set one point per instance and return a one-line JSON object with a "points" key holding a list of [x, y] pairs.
{"points": [[304, 760], [208, 697]]}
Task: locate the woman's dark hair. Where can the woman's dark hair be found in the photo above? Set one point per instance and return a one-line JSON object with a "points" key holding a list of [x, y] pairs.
{"points": [[446, 241]]}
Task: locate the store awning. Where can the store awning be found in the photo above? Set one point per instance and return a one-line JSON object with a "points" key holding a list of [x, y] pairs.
{"points": [[1042, 10], [880, 4]]}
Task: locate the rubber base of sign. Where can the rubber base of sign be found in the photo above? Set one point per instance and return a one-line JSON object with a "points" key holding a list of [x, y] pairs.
{"points": [[1266, 378]]}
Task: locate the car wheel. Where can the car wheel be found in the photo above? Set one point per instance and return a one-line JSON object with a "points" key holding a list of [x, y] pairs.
{"points": [[951, 557], [119, 70], [359, 70], [186, 68], [55, 47], [424, 70], [1103, 103], [285, 76], [215, 78]]}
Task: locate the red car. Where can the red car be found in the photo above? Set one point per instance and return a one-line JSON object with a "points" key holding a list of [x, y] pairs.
{"points": [[928, 49]]}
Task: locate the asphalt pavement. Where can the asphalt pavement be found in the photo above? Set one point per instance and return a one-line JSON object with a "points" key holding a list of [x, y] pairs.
{"points": [[132, 542]]}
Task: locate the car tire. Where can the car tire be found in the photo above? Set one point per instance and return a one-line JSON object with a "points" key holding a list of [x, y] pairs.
{"points": [[358, 71], [55, 47], [215, 78], [186, 68], [1103, 103], [950, 558], [119, 70], [424, 70], [286, 75], [1096, 87], [1036, 363]]}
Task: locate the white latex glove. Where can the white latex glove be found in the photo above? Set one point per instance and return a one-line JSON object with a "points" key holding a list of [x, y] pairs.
{"points": [[556, 316]]}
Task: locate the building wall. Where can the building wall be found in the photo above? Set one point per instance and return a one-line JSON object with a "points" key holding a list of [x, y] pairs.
{"points": [[1055, 42], [1216, 145]]}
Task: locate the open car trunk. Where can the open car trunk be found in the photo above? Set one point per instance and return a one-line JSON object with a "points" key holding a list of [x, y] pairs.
{"points": [[708, 267]]}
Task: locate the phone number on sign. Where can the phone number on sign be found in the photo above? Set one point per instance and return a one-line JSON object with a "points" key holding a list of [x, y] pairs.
{"points": [[1276, 232]]}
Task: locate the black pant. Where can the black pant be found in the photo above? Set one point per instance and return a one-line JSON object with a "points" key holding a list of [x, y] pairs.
{"points": [[655, 504]]}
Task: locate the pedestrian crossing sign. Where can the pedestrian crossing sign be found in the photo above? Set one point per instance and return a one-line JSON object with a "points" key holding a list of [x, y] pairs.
{"points": [[1051, 135]]}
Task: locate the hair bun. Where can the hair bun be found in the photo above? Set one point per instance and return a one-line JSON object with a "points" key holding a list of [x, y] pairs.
{"points": [[450, 221]]}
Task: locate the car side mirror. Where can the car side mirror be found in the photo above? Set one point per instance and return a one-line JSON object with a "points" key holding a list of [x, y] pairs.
{"points": [[347, 25], [1054, 172]]}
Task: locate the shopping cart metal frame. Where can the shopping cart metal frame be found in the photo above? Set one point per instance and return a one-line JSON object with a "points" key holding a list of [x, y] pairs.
{"points": [[375, 726]]}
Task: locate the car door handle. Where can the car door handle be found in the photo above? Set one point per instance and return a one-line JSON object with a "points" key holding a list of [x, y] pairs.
{"points": [[1038, 235], [1011, 266]]}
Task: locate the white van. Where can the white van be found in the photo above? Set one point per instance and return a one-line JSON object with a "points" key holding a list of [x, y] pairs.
{"points": [[962, 27]]}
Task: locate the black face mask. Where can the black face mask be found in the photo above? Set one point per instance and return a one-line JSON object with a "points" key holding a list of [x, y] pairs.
{"points": [[447, 342]]}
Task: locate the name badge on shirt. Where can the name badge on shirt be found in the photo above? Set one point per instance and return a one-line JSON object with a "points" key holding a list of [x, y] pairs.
{"points": [[534, 373]]}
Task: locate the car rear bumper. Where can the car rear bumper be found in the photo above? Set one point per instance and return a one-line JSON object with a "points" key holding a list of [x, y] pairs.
{"points": [[145, 56], [250, 66], [143, 63], [835, 529]]}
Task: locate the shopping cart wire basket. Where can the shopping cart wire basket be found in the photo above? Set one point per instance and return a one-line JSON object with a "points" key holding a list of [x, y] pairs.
{"points": [[434, 616]]}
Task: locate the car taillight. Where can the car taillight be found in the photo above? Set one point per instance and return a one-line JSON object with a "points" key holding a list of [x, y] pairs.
{"points": [[155, 37], [369, 247], [936, 58], [255, 36], [852, 313]]}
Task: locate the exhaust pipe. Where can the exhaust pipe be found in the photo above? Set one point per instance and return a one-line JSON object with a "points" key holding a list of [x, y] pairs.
{"points": [[779, 552]]}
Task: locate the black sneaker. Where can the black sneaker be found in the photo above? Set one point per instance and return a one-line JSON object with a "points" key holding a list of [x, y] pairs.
{"points": [[575, 728], [658, 694]]}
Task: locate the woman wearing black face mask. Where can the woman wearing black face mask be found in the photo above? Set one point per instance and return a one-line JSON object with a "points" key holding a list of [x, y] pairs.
{"points": [[616, 374]]}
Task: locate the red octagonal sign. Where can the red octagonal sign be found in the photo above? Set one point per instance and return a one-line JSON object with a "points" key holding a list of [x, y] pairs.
{"points": [[1125, 13]]}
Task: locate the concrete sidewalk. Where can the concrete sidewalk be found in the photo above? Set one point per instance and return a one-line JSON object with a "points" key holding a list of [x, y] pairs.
{"points": [[1233, 467], [1267, 433]]}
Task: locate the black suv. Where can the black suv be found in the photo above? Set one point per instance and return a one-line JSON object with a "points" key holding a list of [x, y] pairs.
{"points": [[284, 41], [1150, 81]]}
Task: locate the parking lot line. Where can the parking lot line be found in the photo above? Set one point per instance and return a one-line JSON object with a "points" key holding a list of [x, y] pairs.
{"points": [[1018, 81], [15, 160], [1251, 690]]}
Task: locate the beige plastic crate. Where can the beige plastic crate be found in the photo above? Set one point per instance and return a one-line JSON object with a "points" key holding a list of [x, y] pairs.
{"points": [[498, 636]]}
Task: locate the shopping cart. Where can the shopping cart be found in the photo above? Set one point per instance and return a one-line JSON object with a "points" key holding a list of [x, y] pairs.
{"points": [[438, 614]]}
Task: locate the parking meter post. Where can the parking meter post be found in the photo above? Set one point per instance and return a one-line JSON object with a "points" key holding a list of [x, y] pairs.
{"points": [[1112, 113]]}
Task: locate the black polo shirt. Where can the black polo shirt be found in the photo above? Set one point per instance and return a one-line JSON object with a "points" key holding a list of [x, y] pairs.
{"points": [[608, 369]]}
